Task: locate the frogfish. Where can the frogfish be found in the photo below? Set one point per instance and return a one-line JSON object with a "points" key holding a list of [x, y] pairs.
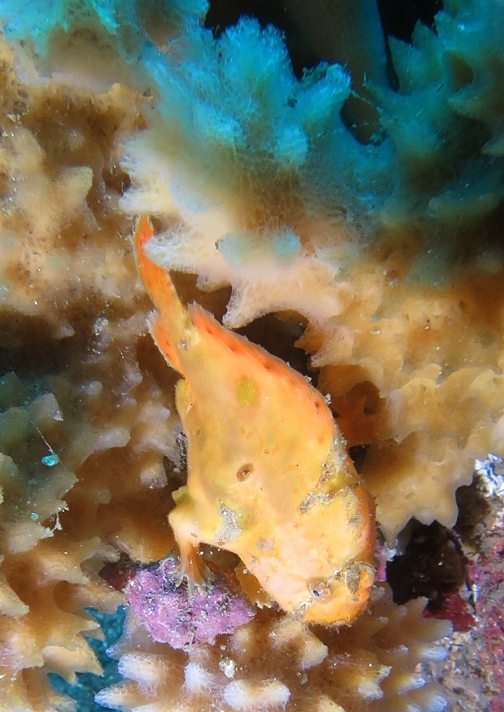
{"points": [[269, 475]]}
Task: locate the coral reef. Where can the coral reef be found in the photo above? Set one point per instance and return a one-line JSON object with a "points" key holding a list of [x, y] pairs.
{"points": [[83, 430], [275, 662], [80, 483], [47, 577], [361, 207]]}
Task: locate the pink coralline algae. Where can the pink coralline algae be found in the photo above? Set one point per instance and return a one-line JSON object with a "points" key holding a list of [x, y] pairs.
{"points": [[173, 615], [487, 581], [455, 608], [488, 584], [472, 674]]}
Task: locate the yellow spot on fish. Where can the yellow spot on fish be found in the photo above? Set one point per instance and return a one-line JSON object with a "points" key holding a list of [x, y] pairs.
{"points": [[246, 391]]}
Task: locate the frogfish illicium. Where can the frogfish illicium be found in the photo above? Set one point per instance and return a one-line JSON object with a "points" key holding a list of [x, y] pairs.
{"points": [[269, 476]]}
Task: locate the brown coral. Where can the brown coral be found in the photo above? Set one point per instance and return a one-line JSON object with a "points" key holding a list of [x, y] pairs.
{"points": [[84, 435], [62, 241], [414, 374], [82, 468]]}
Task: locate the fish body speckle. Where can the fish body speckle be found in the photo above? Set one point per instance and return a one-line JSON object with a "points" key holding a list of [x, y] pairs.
{"points": [[269, 477]]}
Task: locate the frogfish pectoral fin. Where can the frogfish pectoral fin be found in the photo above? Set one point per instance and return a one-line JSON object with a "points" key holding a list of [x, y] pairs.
{"points": [[192, 566]]}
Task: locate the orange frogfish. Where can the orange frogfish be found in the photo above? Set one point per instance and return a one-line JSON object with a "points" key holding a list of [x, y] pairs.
{"points": [[269, 477]]}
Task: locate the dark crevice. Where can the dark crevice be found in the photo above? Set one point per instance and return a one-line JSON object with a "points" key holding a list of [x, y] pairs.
{"points": [[278, 338], [398, 18], [432, 565], [473, 510], [31, 350], [358, 455]]}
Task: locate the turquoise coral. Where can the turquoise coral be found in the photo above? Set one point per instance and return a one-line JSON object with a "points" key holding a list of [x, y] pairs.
{"points": [[237, 93]]}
